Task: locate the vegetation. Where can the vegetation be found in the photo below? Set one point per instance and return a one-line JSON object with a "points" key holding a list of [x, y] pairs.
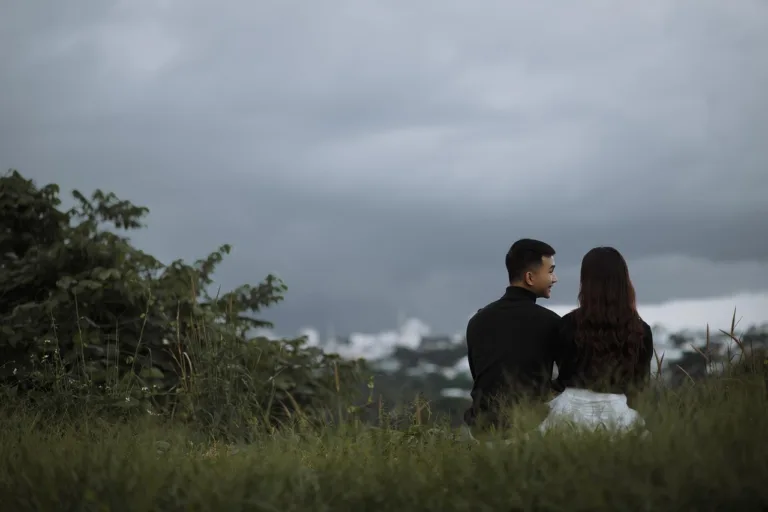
{"points": [[706, 453], [90, 320], [128, 386]]}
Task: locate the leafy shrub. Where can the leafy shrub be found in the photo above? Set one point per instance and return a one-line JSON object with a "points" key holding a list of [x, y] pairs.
{"points": [[86, 316]]}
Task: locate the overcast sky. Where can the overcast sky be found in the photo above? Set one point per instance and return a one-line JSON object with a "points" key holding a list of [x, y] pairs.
{"points": [[382, 156]]}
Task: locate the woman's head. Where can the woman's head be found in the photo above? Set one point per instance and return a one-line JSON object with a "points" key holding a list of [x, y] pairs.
{"points": [[605, 281]]}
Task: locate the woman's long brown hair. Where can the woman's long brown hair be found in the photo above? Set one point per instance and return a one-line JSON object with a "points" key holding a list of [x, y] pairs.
{"points": [[607, 322]]}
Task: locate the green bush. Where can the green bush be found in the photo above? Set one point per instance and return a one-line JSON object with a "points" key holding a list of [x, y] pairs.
{"points": [[88, 319]]}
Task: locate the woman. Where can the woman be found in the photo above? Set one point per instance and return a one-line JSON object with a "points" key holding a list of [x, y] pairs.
{"points": [[605, 348]]}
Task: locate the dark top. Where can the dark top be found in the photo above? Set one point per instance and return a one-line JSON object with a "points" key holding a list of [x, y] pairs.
{"points": [[577, 369], [511, 348]]}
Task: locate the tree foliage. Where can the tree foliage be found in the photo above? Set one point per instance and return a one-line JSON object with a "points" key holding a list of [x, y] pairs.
{"points": [[82, 309]]}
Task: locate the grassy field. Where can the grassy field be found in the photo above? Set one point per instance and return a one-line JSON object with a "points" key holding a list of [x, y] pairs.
{"points": [[708, 451]]}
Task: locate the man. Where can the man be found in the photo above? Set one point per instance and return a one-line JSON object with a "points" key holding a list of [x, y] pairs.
{"points": [[511, 342]]}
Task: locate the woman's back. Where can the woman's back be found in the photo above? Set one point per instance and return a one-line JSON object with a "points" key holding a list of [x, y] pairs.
{"points": [[618, 368]]}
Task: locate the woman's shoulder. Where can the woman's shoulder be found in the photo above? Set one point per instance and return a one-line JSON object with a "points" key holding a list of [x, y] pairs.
{"points": [[647, 334], [646, 327], [568, 322]]}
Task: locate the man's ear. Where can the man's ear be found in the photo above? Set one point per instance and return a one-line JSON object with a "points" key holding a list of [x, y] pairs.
{"points": [[528, 278]]}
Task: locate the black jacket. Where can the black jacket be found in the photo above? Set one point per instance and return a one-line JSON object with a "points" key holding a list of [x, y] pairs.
{"points": [[511, 346]]}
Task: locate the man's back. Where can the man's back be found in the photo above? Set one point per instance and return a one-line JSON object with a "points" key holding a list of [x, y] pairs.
{"points": [[510, 344]]}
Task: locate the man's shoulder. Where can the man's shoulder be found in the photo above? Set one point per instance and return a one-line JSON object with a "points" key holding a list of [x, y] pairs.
{"points": [[482, 312], [547, 314], [487, 313], [490, 307], [503, 311]]}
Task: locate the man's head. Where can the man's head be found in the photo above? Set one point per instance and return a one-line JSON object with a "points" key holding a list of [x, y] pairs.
{"points": [[531, 265]]}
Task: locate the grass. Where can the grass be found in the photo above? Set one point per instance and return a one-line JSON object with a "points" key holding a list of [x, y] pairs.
{"points": [[708, 452]]}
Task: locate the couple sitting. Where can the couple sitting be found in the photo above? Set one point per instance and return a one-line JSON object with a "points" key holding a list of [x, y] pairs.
{"points": [[602, 349]]}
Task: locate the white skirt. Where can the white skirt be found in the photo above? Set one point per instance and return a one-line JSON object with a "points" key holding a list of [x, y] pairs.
{"points": [[586, 409]]}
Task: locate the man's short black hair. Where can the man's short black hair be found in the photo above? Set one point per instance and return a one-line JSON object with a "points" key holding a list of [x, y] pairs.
{"points": [[524, 255]]}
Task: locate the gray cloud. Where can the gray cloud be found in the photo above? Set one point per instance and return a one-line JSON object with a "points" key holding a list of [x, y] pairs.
{"points": [[383, 158]]}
